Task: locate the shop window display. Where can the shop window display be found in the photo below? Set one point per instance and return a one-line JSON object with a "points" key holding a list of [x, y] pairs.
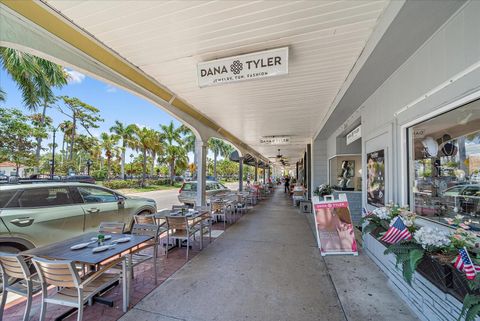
{"points": [[445, 167]]}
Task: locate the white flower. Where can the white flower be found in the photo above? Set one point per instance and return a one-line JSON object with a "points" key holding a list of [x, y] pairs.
{"points": [[432, 237], [381, 213]]}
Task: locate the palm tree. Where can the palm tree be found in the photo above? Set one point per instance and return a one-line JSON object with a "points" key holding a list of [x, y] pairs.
{"points": [[155, 148], [172, 138], [176, 157], [189, 141], [143, 140], [219, 148], [108, 144], [3, 95], [126, 134], [35, 77]]}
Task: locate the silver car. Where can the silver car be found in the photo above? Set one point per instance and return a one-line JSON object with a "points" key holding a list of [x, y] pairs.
{"points": [[37, 214], [188, 191]]}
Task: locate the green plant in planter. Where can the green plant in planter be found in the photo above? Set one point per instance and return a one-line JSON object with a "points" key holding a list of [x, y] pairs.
{"points": [[323, 190], [426, 241], [408, 254]]}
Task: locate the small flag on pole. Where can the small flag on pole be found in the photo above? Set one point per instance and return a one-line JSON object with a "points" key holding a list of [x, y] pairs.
{"points": [[364, 212], [463, 263], [398, 231]]}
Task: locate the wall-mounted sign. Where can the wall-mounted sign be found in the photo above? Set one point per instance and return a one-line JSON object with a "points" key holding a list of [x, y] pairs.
{"points": [[354, 135], [245, 67], [275, 140]]}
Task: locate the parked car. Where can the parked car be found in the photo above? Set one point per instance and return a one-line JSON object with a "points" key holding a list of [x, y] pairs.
{"points": [[37, 214], [3, 178], [466, 196], [188, 191], [80, 178]]}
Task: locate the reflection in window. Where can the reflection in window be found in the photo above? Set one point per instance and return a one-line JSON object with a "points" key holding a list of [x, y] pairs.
{"points": [[445, 166]]}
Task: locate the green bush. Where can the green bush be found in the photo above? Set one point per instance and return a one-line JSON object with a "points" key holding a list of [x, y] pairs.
{"points": [[117, 184]]}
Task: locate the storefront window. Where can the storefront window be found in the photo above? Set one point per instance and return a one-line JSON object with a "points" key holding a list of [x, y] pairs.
{"points": [[346, 172], [445, 167]]}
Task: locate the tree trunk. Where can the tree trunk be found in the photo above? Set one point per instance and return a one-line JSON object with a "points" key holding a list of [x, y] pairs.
{"points": [[215, 165], [172, 171], [144, 167], [72, 142], [122, 166], [39, 139], [152, 170], [108, 168], [462, 155]]}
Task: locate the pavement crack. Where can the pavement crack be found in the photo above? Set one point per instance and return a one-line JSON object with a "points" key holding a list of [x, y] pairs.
{"points": [[158, 313]]}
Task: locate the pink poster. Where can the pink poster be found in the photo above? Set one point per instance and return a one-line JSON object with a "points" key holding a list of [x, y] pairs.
{"points": [[335, 233]]}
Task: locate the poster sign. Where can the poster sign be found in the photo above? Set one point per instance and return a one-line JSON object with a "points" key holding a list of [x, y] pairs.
{"points": [[335, 231], [245, 67], [376, 178]]}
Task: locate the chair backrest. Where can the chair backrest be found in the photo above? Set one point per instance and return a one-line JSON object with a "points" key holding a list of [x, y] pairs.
{"points": [[146, 229], [57, 273], [177, 222], [111, 227], [13, 265], [144, 219], [217, 206]]}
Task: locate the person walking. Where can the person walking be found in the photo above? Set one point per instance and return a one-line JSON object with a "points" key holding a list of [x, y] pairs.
{"points": [[287, 184]]}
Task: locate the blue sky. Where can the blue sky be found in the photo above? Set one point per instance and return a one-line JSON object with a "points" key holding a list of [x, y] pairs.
{"points": [[113, 102]]}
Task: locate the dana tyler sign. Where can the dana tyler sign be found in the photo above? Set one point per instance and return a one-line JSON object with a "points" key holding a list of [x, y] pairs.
{"points": [[251, 66], [275, 140]]}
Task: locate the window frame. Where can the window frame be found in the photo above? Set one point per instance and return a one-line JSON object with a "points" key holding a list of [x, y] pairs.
{"points": [[98, 188], [407, 171], [21, 191]]}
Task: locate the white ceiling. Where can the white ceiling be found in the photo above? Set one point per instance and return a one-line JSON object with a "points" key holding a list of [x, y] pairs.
{"points": [[166, 39]]}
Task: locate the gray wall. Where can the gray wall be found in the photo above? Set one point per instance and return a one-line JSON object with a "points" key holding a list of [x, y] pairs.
{"points": [[442, 72]]}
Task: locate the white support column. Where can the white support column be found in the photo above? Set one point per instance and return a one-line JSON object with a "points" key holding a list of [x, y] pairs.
{"points": [[201, 153], [240, 173]]}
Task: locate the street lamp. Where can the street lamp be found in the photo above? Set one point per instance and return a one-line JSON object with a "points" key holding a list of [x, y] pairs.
{"points": [[89, 163], [52, 161]]}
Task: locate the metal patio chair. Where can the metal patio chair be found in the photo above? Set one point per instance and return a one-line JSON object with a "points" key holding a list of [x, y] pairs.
{"points": [[180, 229], [72, 290], [18, 279]]}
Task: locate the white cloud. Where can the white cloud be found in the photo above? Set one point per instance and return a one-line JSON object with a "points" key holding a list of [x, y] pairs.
{"points": [[75, 77], [111, 89]]}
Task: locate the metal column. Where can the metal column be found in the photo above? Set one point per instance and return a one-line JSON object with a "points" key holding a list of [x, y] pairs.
{"points": [[309, 170], [201, 152], [256, 171]]}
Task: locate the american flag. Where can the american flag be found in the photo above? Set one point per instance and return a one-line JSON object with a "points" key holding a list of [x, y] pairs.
{"points": [[364, 212], [463, 263], [397, 232]]}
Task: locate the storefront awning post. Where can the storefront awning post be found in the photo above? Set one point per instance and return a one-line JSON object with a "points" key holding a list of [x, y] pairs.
{"points": [[240, 173], [201, 152]]}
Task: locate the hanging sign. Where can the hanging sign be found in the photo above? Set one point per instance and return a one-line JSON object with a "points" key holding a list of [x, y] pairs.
{"points": [[245, 67], [354, 135], [335, 231], [275, 140]]}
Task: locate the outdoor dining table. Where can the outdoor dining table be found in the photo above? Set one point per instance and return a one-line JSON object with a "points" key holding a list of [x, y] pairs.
{"points": [[62, 251], [194, 218]]}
